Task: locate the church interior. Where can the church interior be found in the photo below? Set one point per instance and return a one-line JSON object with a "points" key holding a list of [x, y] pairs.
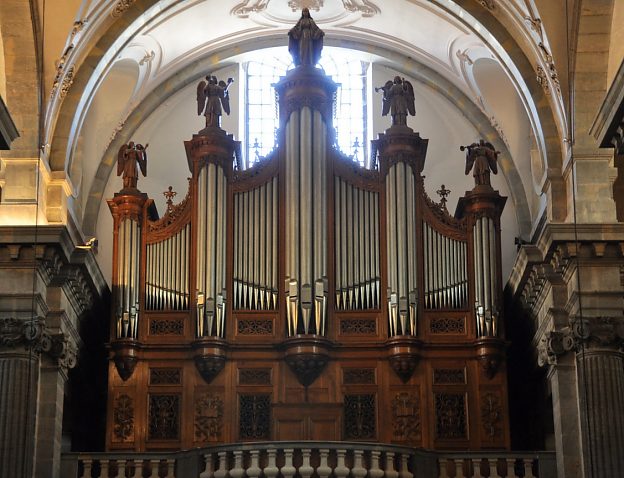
{"points": [[311, 238]]}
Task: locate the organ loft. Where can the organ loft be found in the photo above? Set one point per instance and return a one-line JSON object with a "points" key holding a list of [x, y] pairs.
{"points": [[307, 298]]}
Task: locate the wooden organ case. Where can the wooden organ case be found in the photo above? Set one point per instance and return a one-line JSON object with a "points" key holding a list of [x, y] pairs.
{"points": [[307, 298]]}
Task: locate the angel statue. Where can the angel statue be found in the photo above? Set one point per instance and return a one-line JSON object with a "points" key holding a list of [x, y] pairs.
{"points": [[305, 40], [129, 156], [398, 100], [211, 94], [481, 158]]}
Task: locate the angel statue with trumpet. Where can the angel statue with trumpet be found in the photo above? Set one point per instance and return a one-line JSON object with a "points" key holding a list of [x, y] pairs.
{"points": [[212, 95], [398, 100]]}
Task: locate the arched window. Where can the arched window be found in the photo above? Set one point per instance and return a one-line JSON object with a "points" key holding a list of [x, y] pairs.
{"points": [[351, 106]]}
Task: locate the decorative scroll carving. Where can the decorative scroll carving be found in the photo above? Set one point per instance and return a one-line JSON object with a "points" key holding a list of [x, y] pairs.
{"points": [[254, 376], [255, 417], [246, 7], [208, 417], [448, 325], [449, 375], [166, 327], [165, 376], [120, 7], [450, 416], [255, 327], [307, 367], [406, 424], [358, 327], [491, 415], [164, 417], [209, 366], [365, 7], [123, 418], [360, 417], [542, 79], [358, 376]]}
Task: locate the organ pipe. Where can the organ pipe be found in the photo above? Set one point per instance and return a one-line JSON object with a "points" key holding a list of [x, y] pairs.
{"points": [[128, 262], [485, 276]]}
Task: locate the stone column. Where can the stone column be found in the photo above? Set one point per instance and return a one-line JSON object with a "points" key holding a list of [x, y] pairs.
{"points": [[20, 342], [601, 392]]}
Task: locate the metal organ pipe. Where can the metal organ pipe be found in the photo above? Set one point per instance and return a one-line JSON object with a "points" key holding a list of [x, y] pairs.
{"points": [[128, 265]]}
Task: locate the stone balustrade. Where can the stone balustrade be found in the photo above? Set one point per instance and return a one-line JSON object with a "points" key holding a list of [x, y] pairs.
{"points": [[308, 460]]}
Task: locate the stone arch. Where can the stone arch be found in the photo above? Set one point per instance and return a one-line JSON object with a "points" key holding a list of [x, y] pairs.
{"points": [[423, 74], [17, 27]]}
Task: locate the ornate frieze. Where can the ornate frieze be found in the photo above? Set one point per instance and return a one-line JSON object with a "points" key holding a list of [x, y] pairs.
{"points": [[164, 417], [254, 417], [447, 325], [449, 375], [165, 376], [166, 327], [358, 327], [254, 376], [358, 376], [450, 416], [255, 327]]}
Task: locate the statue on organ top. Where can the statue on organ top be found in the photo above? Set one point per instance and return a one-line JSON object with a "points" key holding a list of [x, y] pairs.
{"points": [[481, 158], [211, 95], [305, 40], [129, 157], [398, 100]]}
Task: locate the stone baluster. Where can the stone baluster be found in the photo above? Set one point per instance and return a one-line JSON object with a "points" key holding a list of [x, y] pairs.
{"points": [[238, 471], [442, 464], [154, 468], [493, 468], [170, 468], [138, 469], [288, 470], [358, 470], [375, 471], [528, 467], [121, 468], [222, 470], [209, 468], [324, 470], [87, 463], [104, 468], [459, 468], [305, 470], [511, 467], [390, 471], [476, 468], [271, 470], [405, 473], [341, 470], [254, 469]]}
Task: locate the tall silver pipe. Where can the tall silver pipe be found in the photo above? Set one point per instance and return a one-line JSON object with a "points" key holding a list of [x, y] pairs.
{"points": [[337, 241], [257, 232], [274, 239], [376, 247], [344, 248], [361, 248], [305, 179], [264, 258]]}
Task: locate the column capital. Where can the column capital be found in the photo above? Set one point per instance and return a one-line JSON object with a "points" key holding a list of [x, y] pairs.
{"points": [[594, 333], [33, 335]]}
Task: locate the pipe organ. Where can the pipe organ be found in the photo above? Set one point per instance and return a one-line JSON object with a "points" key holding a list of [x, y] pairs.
{"points": [[307, 297]]}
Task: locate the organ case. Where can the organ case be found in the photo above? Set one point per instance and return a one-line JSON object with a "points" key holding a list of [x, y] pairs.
{"points": [[307, 297]]}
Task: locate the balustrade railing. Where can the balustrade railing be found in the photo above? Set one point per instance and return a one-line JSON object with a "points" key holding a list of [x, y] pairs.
{"points": [[308, 460]]}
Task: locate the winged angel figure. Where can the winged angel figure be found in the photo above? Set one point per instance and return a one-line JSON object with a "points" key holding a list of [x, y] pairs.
{"points": [[211, 95], [128, 158], [481, 158], [398, 100]]}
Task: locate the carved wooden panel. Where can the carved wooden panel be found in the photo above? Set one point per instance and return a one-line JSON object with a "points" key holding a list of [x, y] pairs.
{"points": [[254, 327], [358, 327], [163, 417], [123, 418], [447, 325], [254, 422], [208, 422], [254, 376], [450, 416], [449, 375], [358, 376], [166, 327], [491, 409], [165, 376], [406, 423], [360, 417]]}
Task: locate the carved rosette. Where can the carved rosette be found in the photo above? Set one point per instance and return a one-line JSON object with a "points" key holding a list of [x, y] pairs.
{"points": [[125, 357], [403, 354], [490, 354], [307, 357], [209, 357]]}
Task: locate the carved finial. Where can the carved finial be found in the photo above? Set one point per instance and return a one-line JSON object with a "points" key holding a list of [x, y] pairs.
{"points": [[481, 158], [305, 40], [170, 194], [443, 193], [398, 100]]}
